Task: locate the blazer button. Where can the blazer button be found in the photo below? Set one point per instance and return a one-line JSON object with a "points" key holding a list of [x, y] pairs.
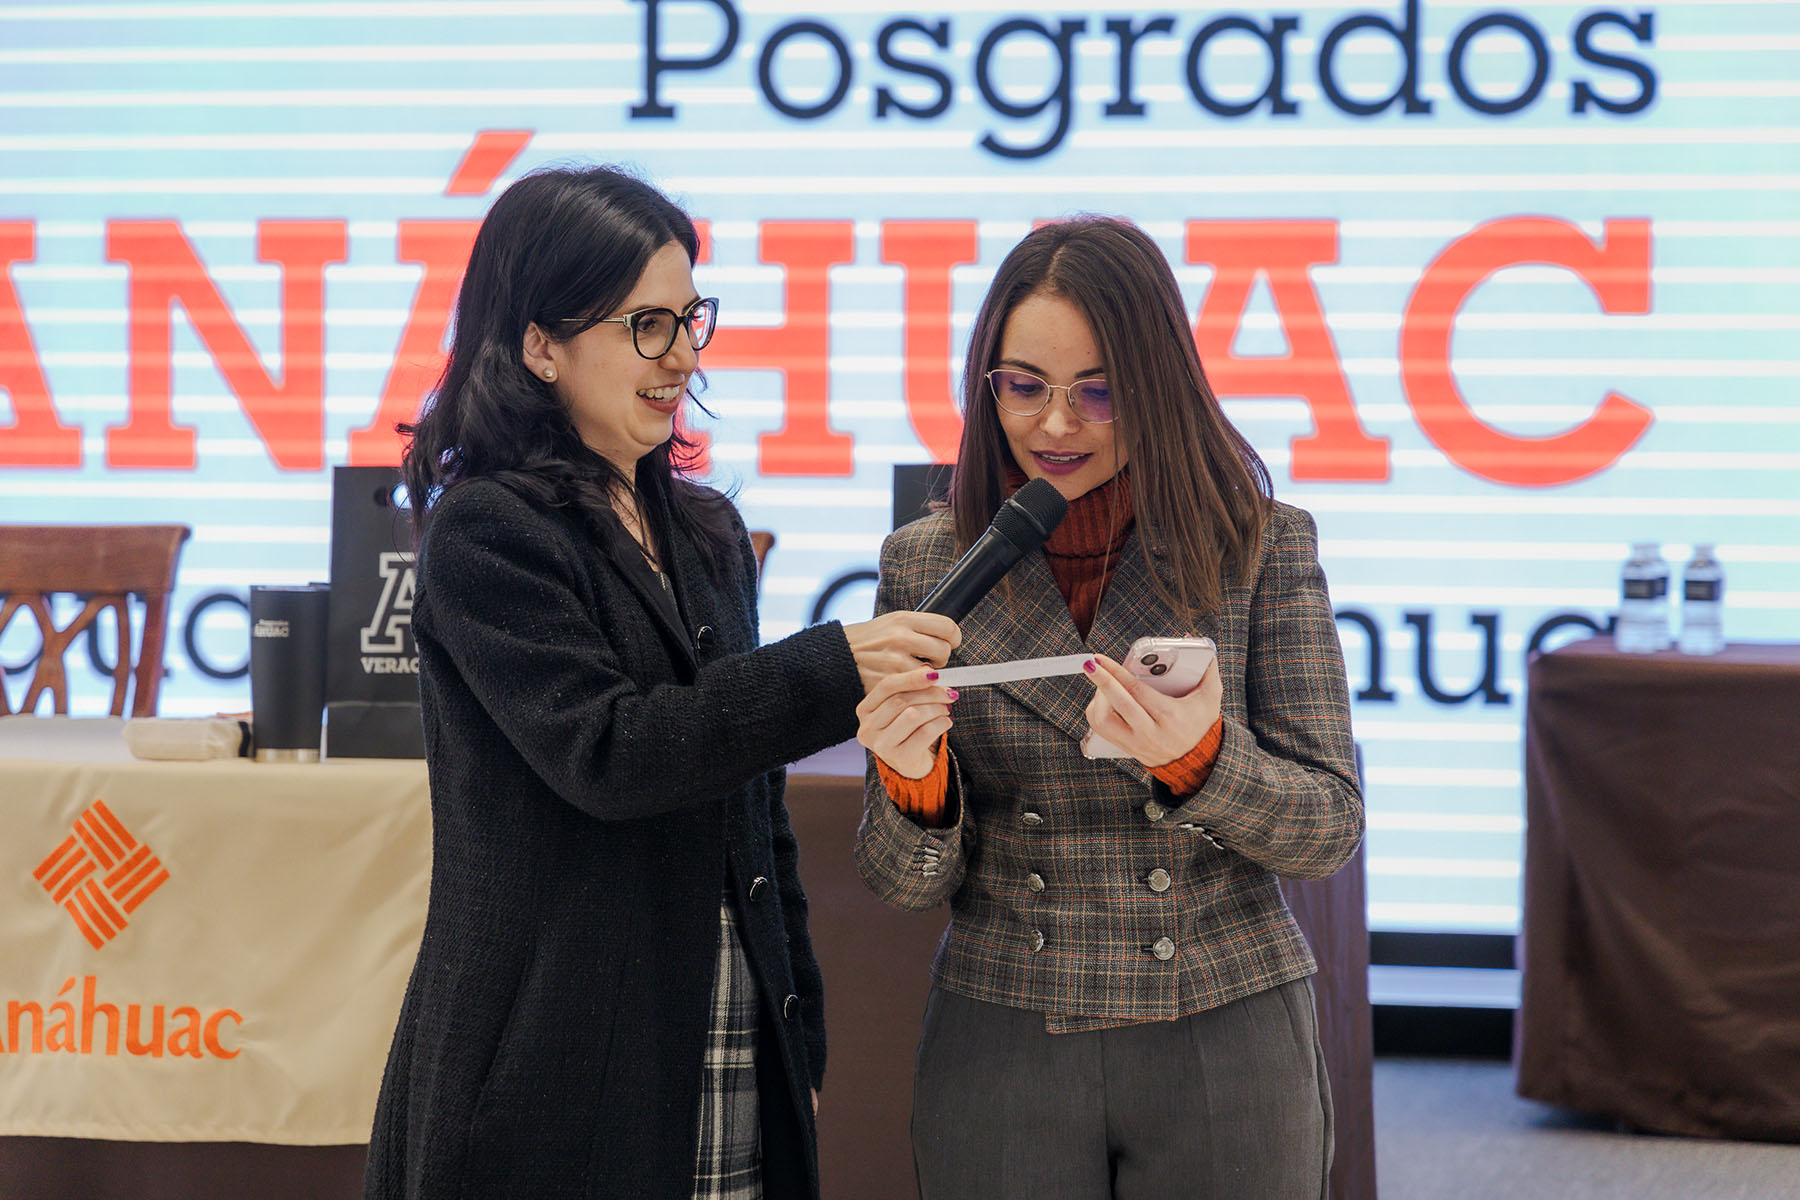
{"points": [[1037, 940], [1163, 948], [1030, 818], [1158, 880], [703, 638], [1154, 811], [756, 887], [790, 1008], [1035, 882]]}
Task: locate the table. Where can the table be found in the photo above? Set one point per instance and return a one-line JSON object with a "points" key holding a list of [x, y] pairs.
{"points": [[1661, 940], [362, 844], [269, 912]]}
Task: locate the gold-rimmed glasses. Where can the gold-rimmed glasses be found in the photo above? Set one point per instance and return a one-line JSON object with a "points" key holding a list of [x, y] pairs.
{"points": [[1025, 395]]}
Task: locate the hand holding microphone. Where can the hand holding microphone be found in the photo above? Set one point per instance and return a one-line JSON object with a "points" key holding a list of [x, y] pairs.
{"points": [[897, 642], [903, 714], [900, 641]]}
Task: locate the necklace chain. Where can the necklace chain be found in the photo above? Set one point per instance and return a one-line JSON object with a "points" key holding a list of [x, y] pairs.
{"points": [[638, 530]]}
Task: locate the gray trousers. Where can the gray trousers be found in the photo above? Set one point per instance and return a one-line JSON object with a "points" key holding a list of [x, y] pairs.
{"points": [[1229, 1104]]}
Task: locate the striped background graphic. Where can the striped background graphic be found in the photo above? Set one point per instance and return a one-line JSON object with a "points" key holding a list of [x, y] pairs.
{"points": [[222, 121]]}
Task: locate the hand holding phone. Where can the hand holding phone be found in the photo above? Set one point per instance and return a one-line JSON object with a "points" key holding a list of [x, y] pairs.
{"points": [[1173, 666]]}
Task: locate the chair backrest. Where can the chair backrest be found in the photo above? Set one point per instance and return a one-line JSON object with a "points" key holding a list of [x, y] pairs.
{"points": [[100, 565], [760, 541]]}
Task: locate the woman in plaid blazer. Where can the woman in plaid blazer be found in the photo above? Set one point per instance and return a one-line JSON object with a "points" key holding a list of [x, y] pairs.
{"points": [[1122, 1004]]}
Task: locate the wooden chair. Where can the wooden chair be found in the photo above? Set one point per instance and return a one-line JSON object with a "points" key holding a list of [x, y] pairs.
{"points": [[760, 541], [101, 565]]}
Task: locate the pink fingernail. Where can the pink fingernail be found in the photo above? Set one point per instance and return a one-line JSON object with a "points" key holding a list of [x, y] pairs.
{"points": [[1089, 666], [952, 693], [931, 674]]}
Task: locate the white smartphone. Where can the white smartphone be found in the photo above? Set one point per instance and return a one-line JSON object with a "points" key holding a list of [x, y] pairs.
{"points": [[1171, 665]]}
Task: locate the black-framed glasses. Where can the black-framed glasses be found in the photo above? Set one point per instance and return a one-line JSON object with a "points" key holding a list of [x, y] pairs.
{"points": [[653, 330], [1024, 395]]}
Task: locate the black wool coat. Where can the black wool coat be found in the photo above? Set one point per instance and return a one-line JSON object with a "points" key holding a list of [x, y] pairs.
{"points": [[601, 776]]}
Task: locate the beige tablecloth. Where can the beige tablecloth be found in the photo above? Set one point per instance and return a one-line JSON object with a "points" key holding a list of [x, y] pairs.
{"points": [[209, 951]]}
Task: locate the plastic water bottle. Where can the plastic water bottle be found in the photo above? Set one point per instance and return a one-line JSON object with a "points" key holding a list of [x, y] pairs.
{"points": [[1703, 603], [1659, 613], [1636, 632]]}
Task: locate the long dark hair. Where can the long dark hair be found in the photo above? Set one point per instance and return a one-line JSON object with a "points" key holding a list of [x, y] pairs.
{"points": [[559, 243], [1200, 491]]}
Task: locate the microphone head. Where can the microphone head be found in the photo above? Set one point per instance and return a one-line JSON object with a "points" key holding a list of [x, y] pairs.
{"points": [[1019, 528], [1032, 514]]}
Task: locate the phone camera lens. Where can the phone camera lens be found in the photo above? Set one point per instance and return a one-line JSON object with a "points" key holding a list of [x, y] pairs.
{"points": [[1148, 659], [1160, 669]]}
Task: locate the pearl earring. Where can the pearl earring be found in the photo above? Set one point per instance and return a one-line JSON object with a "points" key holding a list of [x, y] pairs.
{"points": [[549, 372]]}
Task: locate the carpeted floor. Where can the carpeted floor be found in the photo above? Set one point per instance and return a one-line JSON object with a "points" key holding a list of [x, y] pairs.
{"points": [[1451, 1129]]}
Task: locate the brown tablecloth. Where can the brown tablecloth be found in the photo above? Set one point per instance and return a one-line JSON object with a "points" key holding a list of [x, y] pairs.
{"points": [[1662, 888]]}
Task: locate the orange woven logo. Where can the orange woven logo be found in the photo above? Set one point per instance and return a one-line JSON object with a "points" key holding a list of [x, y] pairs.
{"points": [[100, 874]]}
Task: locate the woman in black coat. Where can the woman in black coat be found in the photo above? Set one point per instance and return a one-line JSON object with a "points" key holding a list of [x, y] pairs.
{"points": [[616, 994]]}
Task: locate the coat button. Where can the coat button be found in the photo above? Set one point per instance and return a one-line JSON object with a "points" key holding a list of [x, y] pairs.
{"points": [[1158, 880], [1030, 818], [1163, 948], [1037, 940], [790, 1008], [756, 887], [703, 637], [1035, 882], [1154, 811]]}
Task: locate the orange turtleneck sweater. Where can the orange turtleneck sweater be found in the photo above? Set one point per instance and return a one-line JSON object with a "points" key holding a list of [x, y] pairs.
{"points": [[1082, 552]]}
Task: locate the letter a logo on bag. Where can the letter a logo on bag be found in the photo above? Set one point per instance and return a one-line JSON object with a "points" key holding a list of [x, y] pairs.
{"points": [[100, 874], [386, 631]]}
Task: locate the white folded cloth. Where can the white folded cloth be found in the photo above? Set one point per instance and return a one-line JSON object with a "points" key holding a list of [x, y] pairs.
{"points": [[186, 739]]}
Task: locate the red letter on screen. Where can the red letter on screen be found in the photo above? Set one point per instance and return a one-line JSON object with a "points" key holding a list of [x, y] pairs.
{"points": [[442, 248], [289, 416], [1618, 271], [929, 250], [1283, 251], [35, 438], [799, 348]]}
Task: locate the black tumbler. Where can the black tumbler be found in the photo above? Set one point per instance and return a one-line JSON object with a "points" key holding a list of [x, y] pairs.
{"points": [[287, 671]]}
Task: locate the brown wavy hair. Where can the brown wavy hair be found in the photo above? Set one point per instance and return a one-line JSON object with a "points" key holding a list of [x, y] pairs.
{"points": [[1201, 492]]}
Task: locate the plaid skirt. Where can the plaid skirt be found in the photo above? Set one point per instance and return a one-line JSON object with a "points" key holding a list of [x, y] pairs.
{"points": [[728, 1158]]}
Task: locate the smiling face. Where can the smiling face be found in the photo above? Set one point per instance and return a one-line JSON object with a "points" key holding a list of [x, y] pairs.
{"points": [[1047, 336], [622, 404]]}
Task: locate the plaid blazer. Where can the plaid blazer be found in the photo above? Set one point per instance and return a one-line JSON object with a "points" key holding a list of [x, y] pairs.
{"points": [[1082, 888]]}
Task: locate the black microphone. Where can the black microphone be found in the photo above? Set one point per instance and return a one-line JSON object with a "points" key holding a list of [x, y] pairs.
{"points": [[1020, 526]]}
